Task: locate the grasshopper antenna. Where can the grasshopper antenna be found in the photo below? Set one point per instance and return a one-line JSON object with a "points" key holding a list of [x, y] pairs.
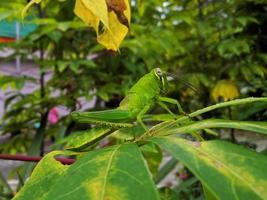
{"points": [[175, 77]]}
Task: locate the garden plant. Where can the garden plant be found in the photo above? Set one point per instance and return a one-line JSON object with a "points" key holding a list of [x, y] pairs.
{"points": [[118, 147]]}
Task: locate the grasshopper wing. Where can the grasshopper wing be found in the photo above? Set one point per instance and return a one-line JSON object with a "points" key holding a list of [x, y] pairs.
{"points": [[110, 118]]}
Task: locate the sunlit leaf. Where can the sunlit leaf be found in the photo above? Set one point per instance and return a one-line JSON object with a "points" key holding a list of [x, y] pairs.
{"points": [[118, 172], [91, 12], [116, 31], [118, 7], [228, 171], [45, 174], [113, 15]]}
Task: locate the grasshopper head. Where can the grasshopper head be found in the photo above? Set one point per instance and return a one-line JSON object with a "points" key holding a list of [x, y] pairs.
{"points": [[162, 77]]}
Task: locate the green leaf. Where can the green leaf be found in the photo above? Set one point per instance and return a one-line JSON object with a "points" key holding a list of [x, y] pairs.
{"points": [[25, 9], [208, 194], [45, 174], [244, 20], [248, 111], [117, 172], [82, 139], [231, 47], [227, 170], [258, 127], [153, 156]]}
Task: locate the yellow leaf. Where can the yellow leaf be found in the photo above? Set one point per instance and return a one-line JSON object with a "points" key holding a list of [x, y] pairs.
{"points": [[86, 15], [112, 37], [91, 12], [114, 21]]}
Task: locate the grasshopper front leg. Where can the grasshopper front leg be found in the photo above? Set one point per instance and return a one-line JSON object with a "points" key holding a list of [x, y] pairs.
{"points": [[140, 116]]}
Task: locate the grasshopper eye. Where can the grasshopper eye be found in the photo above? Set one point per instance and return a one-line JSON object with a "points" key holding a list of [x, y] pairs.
{"points": [[159, 72]]}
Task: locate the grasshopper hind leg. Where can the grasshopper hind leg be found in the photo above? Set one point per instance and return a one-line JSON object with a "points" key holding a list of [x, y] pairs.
{"points": [[112, 118], [164, 106], [173, 101]]}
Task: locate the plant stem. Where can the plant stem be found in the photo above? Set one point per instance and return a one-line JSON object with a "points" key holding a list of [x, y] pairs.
{"points": [[37, 145], [25, 158], [44, 116], [222, 105], [232, 131], [169, 124]]}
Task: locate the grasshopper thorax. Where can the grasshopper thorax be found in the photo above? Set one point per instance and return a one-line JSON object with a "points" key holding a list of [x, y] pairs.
{"points": [[162, 78]]}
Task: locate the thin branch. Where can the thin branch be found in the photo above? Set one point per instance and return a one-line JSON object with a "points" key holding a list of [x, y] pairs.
{"points": [[19, 157]]}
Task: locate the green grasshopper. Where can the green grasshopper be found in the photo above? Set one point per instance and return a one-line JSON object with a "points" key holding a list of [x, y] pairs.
{"points": [[139, 100]]}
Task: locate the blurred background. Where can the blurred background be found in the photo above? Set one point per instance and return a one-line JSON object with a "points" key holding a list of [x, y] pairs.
{"points": [[51, 65]]}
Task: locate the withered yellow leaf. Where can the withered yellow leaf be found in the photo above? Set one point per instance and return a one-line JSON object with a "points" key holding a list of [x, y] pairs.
{"points": [[113, 14], [118, 6], [86, 15], [91, 12]]}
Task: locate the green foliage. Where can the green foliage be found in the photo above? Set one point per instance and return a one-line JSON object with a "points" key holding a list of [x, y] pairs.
{"points": [[227, 170], [114, 173], [119, 171], [205, 41], [81, 139], [200, 42]]}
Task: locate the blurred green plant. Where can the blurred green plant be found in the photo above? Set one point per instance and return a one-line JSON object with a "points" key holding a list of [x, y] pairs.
{"points": [[200, 42], [120, 172]]}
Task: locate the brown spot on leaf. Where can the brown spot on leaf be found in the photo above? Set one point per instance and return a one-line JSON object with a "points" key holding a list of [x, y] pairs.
{"points": [[195, 144], [217, 164], [118, 7]]}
